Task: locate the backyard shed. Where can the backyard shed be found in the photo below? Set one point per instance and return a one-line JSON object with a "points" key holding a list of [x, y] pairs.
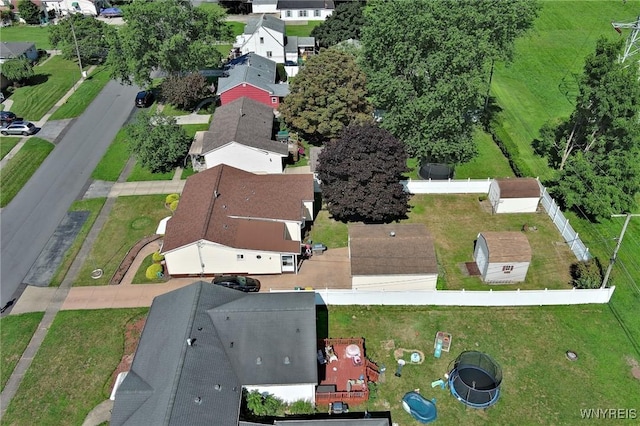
{"points": [[519, 195], [502, 257], [392, 257]]}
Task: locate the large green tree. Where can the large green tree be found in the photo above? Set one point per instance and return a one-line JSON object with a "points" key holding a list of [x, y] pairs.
{"points": [[597, 149], [29, 11], [158, 143], [344, 23], [17, 70], [185, 91], [360, 174], [168, 35], [90, 34], [430, 73], [326, 95]]}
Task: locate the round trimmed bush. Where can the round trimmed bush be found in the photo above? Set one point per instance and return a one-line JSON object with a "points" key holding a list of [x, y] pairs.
{"points": [[157, 257], [174, 205], [171, 198], [153, 271]]}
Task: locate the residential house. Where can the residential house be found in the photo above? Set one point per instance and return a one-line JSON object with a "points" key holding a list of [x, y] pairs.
{"points": [[515, 195], [392, 257], [305, 10], [230, 221], [202, 344], [240, 135], [502, 257], [18, 49], [254, 77], [264, 6]]}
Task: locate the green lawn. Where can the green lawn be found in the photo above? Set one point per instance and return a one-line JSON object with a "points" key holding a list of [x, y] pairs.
{"points": [[54, 79], [71, 373], [540, 386], [114, 160], [131, 219], [32, 33], [83, 96], [302, 30], [331, 233], [141, 278], [489, 163], [541, 83], [17, 172], [7, 144], [236, 27], [15, 333]]}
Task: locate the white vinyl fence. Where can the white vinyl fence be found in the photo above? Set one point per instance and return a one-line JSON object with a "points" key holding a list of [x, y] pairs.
{"points": [[461, 297]]}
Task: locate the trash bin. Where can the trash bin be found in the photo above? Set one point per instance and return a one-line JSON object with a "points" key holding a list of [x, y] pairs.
{"points": [[318, 249]]}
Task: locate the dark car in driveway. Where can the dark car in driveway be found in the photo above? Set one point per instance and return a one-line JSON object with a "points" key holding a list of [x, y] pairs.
{"points": [[24, 128], [144, 98], [7, 117], [238, 282]]}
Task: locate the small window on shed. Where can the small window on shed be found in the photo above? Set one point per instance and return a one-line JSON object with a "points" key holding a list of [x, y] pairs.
{"points": [[274, 100], [261, 40], [507, 269]]}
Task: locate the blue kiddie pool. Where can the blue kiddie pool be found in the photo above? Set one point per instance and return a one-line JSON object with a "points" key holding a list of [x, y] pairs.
{"points": [[419, 407]]}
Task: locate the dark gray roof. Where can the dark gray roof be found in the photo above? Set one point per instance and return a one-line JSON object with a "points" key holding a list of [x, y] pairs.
{"points": [[295, 42], [255, 70], [171, 382], [265, 21], [334, 422], [305, 4], [245, 121], [11, 49]]}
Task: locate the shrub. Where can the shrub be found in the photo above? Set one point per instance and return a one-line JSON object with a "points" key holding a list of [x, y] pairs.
{"points": [[157, 257], [154, 271], [173, 206], [185, 92], [171, 198], [587, 274], [302, 407]]}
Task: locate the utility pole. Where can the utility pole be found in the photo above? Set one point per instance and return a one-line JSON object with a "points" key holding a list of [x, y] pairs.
{"points": [[615, 251], [75, 40]]}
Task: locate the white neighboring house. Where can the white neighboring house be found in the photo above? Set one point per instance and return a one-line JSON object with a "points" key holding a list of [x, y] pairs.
{"points": [[263, 35], [394, 257], [305, 10], [68, 7], [17, 49], [230, 221], [264, 6], [502, 257], [516, 195], [240, 136]]}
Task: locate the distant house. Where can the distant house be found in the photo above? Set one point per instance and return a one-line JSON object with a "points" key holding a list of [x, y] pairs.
{"points": [[502, 257], [69, 7], [240, 135], [392, 257], [17, 49], [264, 6], [203, 343], [254, 77], [230, 221], [305, 10], [517, 195]]}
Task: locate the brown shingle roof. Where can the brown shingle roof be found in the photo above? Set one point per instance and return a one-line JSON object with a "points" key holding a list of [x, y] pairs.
{"points": [[237, 209], [519, 188], [375, 252], [507, 246]]}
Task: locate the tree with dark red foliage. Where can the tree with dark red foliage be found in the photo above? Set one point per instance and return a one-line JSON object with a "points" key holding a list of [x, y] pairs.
{"points": [[360, 174]]}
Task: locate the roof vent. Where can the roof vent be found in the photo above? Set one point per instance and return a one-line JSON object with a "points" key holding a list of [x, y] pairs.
{"points": [[392, 233], [198, 400], [287, 361], [218, 387], [215, 193], [259, 360], [191, 342]]}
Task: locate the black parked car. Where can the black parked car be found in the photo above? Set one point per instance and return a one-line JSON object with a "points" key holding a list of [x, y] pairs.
{"points": [[144, 99], [7, 117], [238, 282]]}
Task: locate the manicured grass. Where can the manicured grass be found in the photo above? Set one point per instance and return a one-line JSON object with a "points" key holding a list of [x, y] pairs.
{"points": [[83, 96], [7, 144], [236, 27], [17, 172], [141, 278], [94, 206], [489, 163], [541, 83], [56, 77], [114, 160], [15, 333], [171, 110], [540, 386], [139, 174], [191, 129], [31, 33], [301, 30], [131, 219], [188, 171], [328, 231], [71, 373]]}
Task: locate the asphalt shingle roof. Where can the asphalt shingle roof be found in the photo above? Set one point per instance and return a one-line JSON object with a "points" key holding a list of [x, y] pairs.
{"points": [[255, 70], [14, 49], [265, 21], [507, 246], [519, 188], [305, 4]]}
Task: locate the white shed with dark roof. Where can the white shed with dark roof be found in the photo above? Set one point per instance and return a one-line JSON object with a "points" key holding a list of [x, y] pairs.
{"points": [[392, 257], [502, 257], [517, 195]]}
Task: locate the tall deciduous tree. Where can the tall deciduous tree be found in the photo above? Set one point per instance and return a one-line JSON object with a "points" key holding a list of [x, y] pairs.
{"points": [[170, 35], [597, 150], [185, 92], [90, 33], [17, 70], [158, 143], [360, 174], [429, 74], [344, 23], [29, 11], [326, 95]]}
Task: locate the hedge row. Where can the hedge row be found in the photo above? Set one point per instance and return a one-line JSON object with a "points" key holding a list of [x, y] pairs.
{"points": [[509, 149]]}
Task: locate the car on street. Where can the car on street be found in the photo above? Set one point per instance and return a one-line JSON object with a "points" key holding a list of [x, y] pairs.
{"points": [[238, 282], [7, 117], [144, 99], [24, 128]]}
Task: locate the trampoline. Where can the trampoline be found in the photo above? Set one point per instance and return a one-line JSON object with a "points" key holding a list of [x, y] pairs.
{"points": [[435, 171], [475, 379]]}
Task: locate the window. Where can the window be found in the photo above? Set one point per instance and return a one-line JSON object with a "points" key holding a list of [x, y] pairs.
{"points": [[261, 40], [274, 100], [240, 257], [288, 14], [507, 269], [316, 13], [269, 54], [302, 13]]}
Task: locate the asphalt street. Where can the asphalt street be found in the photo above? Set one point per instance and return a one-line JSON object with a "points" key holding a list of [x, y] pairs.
{"points": [[30, 219]]}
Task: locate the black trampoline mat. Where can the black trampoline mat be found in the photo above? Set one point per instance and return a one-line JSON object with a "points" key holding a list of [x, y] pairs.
{"points": [[476, 378]]}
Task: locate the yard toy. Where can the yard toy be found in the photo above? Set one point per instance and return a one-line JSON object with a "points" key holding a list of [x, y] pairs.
{"points": [[419, 407], [440, 383], [475, 379]]}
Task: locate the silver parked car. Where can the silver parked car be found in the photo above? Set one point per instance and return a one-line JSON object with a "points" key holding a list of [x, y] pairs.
{"points": [[24, 128]]}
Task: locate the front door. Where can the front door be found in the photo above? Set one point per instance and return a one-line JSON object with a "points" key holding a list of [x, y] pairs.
{"points": [[288, 263]]}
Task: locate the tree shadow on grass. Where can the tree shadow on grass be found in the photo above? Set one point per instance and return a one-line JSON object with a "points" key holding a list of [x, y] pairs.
{"points": [[38, 79]]}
